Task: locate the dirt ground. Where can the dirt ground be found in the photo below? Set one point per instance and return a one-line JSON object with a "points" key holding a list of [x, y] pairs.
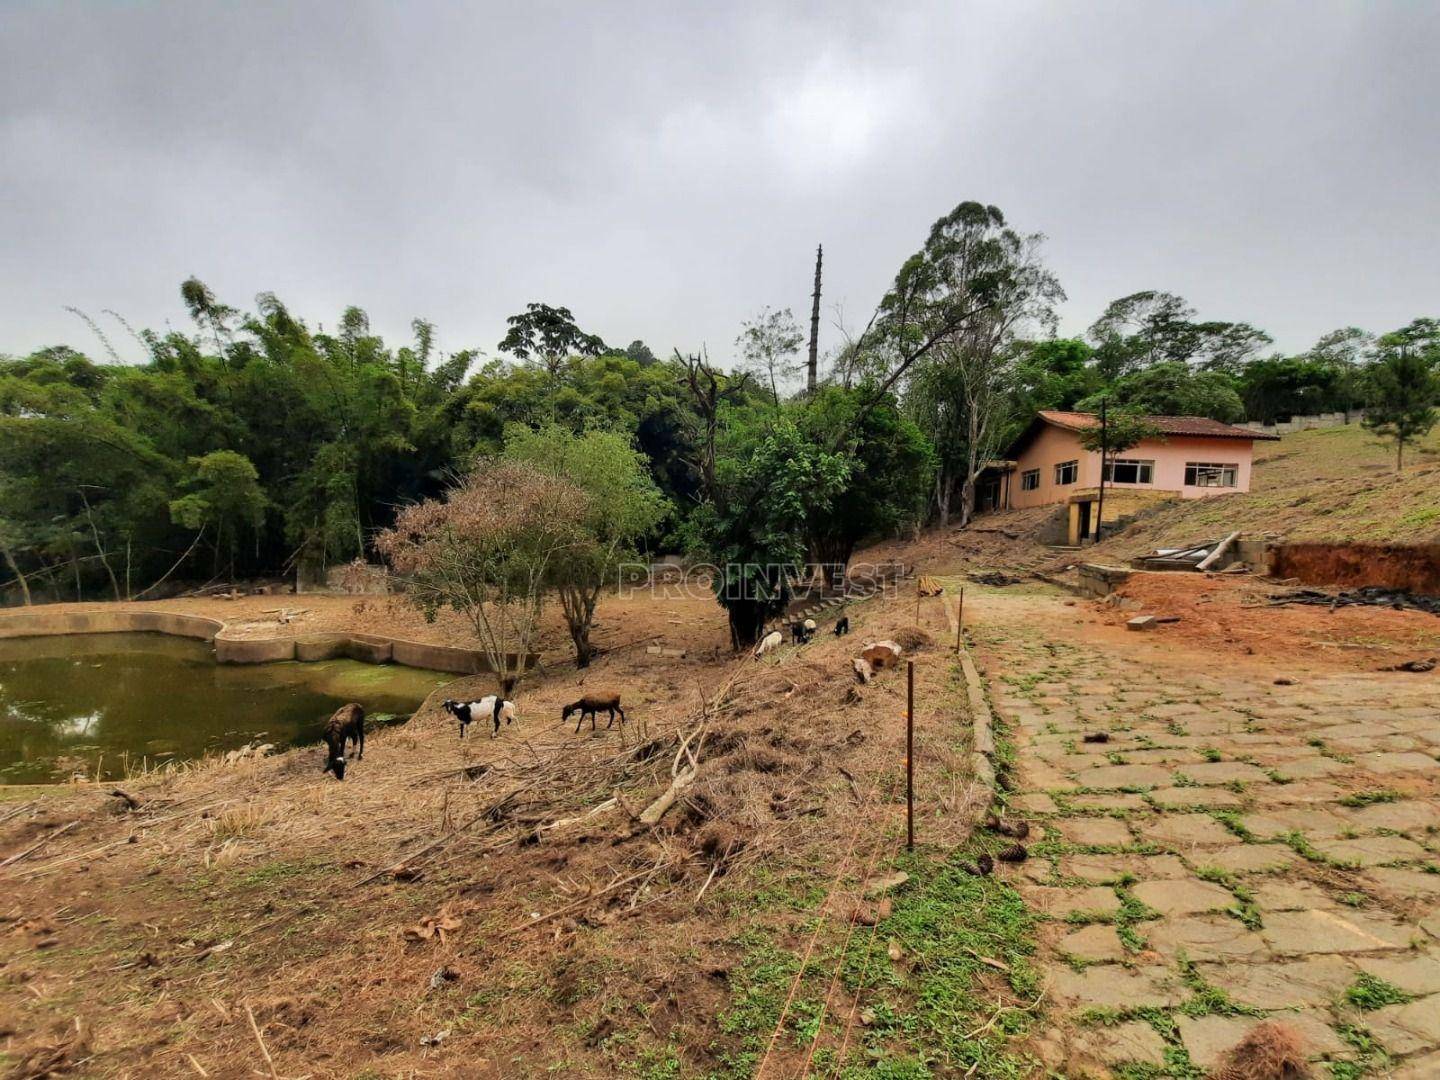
{"points": [[675, 617], [489, 907], [1230, 617], [492, 908]]}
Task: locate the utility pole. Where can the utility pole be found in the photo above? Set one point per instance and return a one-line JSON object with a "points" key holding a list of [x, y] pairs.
{"points": [[814, 359]]}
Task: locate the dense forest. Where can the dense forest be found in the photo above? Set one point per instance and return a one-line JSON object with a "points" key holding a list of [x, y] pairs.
{"points": [[257, 445]]}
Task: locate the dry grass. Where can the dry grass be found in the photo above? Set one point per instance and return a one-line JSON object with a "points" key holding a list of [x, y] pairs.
{"points": [[1269, 1051], [586, 941]]}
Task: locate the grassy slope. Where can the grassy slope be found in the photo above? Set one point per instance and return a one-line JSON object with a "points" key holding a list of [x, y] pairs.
{"points": [[1337, 484]]}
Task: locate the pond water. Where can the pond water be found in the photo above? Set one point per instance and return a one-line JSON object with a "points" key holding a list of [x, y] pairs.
{"points": [[83, 702]]}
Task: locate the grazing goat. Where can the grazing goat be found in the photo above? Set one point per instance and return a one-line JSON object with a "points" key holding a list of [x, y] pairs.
{"points": [[770, 641], [492, 705], [799, 635], [842, 626], [590, 704], [346, 725]]}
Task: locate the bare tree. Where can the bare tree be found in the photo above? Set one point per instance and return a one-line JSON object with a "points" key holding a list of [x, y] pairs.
{"points": [[485, 551]]}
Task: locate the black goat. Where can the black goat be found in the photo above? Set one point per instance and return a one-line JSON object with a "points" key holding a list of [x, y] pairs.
{"points": [[842, 626], [346, 725]]}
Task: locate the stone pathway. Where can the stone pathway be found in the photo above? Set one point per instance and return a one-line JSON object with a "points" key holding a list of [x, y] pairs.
{"points": [[1237, 850]]}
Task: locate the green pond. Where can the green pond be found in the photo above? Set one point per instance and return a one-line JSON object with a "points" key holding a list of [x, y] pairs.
{"points": [[100, 704]]}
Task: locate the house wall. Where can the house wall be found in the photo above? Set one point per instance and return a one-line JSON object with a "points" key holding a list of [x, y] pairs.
{"points": [[1054, 445]]}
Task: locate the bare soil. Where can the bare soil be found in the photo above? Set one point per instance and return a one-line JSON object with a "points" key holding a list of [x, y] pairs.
{"points": [[485, 907]]}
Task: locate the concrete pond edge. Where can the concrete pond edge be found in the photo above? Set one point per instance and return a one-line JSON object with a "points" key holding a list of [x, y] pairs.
{"points": [[304, 648]]}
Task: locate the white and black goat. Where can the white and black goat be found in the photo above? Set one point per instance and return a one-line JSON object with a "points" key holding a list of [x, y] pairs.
{"points": [[491, 706], [346, 725]]}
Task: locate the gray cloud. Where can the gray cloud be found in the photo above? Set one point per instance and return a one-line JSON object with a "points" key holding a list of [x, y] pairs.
{"points": [[667, 169]]}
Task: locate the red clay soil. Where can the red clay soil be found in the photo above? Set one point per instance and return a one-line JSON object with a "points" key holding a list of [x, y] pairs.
{"points": [[1232, 617], [1413, 567]]}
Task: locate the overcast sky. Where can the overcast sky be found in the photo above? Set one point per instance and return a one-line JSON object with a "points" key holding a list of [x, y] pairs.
{"points": [[667, 169]]}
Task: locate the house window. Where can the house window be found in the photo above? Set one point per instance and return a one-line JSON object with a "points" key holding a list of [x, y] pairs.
{"points": [[1209, 474], [1029, 479], [1129, 471], [1067, 472]]}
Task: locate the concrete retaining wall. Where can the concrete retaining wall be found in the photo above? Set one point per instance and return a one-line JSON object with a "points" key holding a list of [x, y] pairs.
{"points": [[1305, 423], [368, 648], [1100, 581], [41, 623]]}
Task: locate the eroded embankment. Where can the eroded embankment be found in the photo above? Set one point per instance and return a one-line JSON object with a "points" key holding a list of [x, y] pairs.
{"points": [[1411, 567]]}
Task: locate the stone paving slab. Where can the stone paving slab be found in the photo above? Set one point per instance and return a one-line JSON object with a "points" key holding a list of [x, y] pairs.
{"points": [[1251, 870]]}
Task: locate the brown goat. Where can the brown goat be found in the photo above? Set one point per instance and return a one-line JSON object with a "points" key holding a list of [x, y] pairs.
{"points": [[590, 704]]}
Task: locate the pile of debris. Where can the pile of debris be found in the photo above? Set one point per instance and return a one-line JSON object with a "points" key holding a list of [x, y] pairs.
{"points": [[1370, 596], [1204, 556]]}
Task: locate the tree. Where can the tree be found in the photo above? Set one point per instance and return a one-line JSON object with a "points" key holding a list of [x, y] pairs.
{"points": [[1171, 388], [1114, 434], [1151, 327], [487, 550], [548, 335], [1279, 387], [768, 345], [1341, 353], [225, 496], [622, 505], [961, 393], [968, 262], [1053, 374], [751, 525], [889, 468], [1404, 391]]}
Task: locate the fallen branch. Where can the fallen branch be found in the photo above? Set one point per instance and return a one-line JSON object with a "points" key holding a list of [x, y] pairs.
{"points": [[263, 1050], [38, 845]]}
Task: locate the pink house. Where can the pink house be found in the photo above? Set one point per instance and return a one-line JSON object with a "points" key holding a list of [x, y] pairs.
{"points": [[1193, 457]]}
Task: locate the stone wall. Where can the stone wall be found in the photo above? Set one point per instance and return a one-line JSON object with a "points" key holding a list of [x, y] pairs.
{"points": [[1100, 581]]}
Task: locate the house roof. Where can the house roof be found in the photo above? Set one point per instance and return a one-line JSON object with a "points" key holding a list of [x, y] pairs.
{"points": [[1195, 426]]}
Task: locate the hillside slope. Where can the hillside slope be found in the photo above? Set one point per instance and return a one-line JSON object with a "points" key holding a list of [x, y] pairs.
{"points": [[1336, 485]]}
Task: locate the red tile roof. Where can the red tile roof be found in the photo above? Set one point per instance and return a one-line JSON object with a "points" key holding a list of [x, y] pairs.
{"points": [[1200, 426]]}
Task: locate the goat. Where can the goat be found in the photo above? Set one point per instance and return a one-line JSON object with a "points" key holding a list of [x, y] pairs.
{"points": [[842, 626], [770, 641], [590, 704], [492, 705], [798, 634], [346, 725]]}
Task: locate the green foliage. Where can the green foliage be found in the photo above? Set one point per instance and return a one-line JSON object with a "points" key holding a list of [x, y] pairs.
{"points": [[623, 505], [1404, 391], [1171, 388], [1121, 430], [752, 529], [768, 346], [1369, 992], [889, 469], [224, 495]]}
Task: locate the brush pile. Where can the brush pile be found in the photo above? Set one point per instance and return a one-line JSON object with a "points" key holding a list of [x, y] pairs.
{"points": [[1371, 596]]}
